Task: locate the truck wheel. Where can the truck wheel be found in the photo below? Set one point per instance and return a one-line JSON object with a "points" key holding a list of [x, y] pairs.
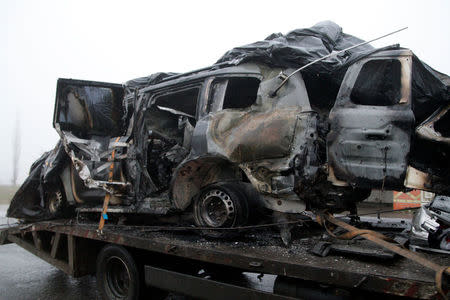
{"points": [[117, 274], [221, 205]]}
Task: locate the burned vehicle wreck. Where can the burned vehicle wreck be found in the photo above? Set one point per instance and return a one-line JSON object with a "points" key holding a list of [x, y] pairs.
{"points": [[431, 224], [221, 140]]}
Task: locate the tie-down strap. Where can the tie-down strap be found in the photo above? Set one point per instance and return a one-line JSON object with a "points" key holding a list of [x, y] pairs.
{"points": [[386, 243]]}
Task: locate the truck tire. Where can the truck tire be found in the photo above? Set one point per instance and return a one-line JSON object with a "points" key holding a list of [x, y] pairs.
{"points": [[117, 274], [221, 205]]}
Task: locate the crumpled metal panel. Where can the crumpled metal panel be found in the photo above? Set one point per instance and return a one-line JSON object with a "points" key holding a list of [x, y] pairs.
{"points": [[368, 145], [245, 136], [261, 141]]}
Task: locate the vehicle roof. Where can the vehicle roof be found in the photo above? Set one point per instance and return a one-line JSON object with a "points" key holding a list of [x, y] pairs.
{"points": [[252, 68], [215, 70]]}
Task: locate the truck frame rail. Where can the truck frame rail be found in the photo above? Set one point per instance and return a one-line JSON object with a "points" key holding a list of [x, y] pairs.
{"points": [[72, 247]]}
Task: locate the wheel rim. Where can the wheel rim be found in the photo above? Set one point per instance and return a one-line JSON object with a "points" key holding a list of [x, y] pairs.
{"points": [[54, 201], [217, 208], [117, 277]]}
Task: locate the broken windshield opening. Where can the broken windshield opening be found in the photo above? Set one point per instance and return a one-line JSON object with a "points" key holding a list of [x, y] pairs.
{"points": [[378, 83], [184, 101]]}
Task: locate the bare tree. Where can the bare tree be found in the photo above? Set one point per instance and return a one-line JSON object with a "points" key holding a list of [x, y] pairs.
{"points": [[16, 150]]}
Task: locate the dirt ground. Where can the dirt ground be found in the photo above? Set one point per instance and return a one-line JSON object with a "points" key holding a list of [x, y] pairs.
{"points": [[6, 193]]}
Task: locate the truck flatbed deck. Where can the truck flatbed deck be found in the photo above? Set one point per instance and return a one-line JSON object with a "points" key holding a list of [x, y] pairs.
{"points": [[68, 245]]}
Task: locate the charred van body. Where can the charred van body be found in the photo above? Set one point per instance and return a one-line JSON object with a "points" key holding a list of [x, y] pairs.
{"points": [[218, 141]]}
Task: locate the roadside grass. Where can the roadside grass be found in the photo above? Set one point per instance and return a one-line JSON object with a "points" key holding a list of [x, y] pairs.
{"points": [[6, 193]]}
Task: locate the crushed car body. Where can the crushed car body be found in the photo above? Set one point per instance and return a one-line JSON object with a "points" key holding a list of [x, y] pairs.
{"points": [[218, 141], [431, 224]]}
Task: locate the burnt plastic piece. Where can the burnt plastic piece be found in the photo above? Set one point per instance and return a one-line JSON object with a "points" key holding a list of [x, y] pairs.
{"points": [[325, 248]]}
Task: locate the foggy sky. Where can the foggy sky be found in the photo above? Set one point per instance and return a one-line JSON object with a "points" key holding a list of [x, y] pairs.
{"points": [[115, 41]]}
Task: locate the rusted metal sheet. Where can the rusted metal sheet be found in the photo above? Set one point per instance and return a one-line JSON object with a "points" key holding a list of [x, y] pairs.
{"points": [[201, 288]]}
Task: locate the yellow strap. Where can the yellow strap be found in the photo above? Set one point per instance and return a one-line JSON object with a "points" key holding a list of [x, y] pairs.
{"points": [[108, 195]]}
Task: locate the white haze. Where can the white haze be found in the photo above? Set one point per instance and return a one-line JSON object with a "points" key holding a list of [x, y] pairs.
{"points": [[115, 41]]}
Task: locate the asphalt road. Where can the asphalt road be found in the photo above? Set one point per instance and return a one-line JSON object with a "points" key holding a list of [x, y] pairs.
{"points": [[24, 276]]}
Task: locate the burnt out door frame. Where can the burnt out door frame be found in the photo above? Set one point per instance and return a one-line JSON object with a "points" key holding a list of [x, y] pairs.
{"points": [[88, 118], [64, 83], [368, 145]]}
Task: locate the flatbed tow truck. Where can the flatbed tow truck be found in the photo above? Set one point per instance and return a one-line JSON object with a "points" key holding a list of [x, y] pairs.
{"points": [[127, 258]]}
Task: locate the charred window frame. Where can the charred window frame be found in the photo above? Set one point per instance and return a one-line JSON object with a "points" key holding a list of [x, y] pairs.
{"points": [[184, 99], [232, 92], [89, 108], [378, 83], [348, 94], [170, 118]]}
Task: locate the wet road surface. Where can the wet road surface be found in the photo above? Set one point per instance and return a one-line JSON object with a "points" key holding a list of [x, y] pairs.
{"points": [[25, 276]]}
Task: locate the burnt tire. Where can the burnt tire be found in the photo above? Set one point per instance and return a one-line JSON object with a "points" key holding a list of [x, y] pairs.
{"points": [[55, 200], [117, 274], [221, 205]]}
